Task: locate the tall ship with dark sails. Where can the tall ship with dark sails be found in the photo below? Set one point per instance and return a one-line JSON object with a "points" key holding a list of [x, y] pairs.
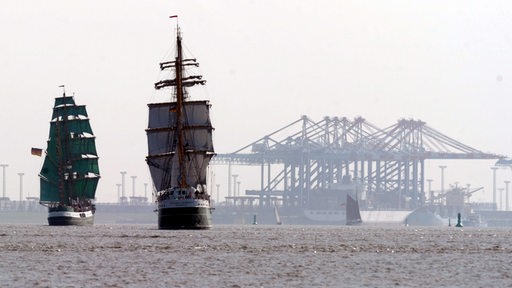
{"points": [[70, 172], [180, 147]]}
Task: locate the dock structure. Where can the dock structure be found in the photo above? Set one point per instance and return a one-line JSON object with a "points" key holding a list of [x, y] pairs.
{"points": [[307, 157]]}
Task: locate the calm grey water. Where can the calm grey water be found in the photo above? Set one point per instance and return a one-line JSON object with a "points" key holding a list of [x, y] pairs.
{"points": [[254, 256]]}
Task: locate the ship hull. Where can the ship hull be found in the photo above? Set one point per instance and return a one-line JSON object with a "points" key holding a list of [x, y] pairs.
{"points": [[326, 216], [346, 214], [184, 214], [184, 218], [65, 217]]}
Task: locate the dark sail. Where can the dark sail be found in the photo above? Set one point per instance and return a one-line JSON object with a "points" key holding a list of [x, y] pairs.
{"points": [[353, 214]]}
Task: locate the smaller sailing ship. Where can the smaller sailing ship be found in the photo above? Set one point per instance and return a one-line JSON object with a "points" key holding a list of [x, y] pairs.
{"points": [[339, 205], [70, 173], [353, 214], [180, 147]]}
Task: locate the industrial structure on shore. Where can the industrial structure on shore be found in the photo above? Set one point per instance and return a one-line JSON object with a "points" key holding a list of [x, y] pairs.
{"points": [[305, 158], [302, 165]]}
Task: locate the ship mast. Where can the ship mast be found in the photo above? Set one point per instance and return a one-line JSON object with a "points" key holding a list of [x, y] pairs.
{"points": [[180, 82], [182, 180], [60, 154]]}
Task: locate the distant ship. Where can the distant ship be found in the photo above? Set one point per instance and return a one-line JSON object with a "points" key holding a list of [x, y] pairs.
{"points": [[337, 205], [445, 208], [180, 147], [70, 173]]}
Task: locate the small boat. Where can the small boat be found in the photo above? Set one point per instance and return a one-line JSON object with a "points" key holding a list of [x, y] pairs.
{"points": [[180, 147], [276, 215], [70, 172]]}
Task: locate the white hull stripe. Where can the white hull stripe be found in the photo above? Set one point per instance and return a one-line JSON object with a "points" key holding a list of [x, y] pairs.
{"points": [[70, 214], [171, 203]]}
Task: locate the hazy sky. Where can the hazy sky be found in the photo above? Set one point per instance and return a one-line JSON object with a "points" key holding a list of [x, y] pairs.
{"points": [[448, 63]]}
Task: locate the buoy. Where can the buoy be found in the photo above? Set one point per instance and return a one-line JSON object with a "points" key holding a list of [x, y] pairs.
{"points": [[459, 222]]}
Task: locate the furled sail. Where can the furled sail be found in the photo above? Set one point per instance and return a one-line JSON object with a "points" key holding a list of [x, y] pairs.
{"points": [[70, 168]]}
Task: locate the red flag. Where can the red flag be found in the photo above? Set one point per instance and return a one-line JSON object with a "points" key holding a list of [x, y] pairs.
{"points": [[36, 151], [173, 16]]}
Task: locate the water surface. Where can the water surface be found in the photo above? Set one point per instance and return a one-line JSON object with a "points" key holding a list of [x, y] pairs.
{"points": [[254, 256]]}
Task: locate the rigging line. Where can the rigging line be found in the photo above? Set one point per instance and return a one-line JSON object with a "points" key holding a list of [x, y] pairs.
{"points": [[193, 69]]}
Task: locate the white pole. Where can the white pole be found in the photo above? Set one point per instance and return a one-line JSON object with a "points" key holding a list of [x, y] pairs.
{"points": [[494, 185], [501, 198], [234, 186], [122, 184], [442, 177], [506, 195], [21, 186], [3, 186]]}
